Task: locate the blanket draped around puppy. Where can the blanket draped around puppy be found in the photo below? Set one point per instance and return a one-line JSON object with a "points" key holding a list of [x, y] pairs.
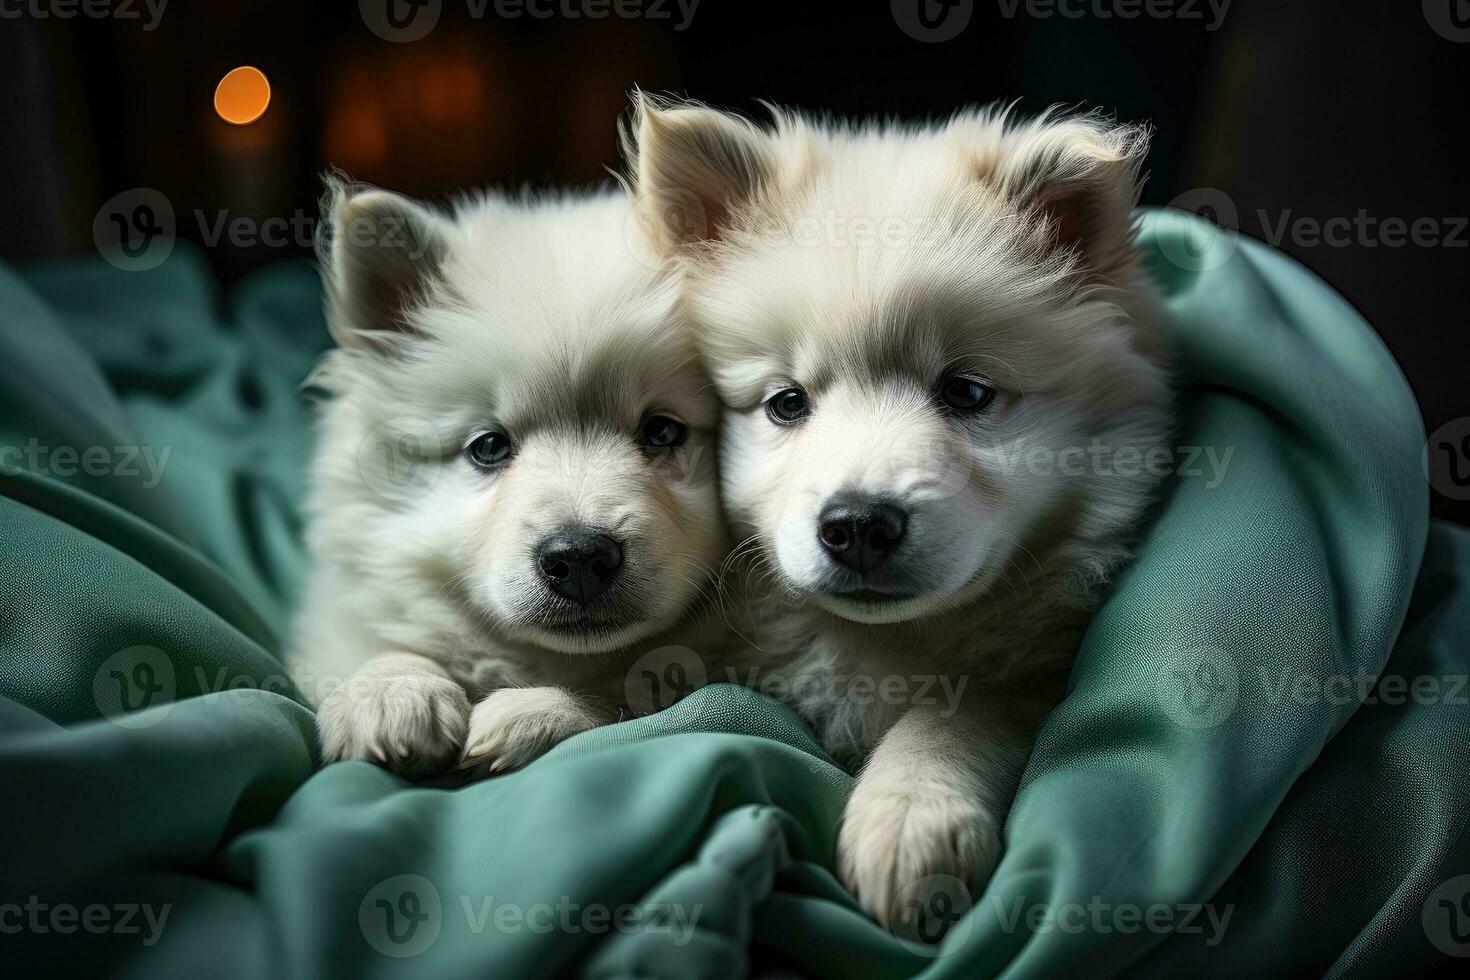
{"points": [[1259, 768]]}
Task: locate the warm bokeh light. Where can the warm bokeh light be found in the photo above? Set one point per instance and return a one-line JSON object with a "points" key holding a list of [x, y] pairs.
{"points": [[242, 95], [357, 138], [449, 92]]}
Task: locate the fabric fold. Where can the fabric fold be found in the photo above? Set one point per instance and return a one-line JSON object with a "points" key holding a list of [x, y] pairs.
{"points": [[1255, 770]]}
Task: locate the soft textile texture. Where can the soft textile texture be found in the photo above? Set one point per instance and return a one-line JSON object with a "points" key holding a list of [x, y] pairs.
{"points": [[1222, 744]]}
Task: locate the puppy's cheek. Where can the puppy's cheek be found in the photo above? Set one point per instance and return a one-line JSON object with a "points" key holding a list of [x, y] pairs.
{"points": [[666, 558], [763, 487], [503, 535], [792, 535], [797, 561], [957, 537], [703, 541], [752, 469], [978, 554], [498, 593]]}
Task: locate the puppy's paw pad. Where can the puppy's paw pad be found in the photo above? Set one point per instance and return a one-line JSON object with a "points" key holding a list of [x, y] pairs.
{"points": [[516, 725], [913, 859], [411, 723]]}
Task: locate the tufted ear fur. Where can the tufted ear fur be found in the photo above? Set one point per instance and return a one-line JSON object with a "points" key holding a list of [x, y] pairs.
{"points": [[694, 167], [1081, 175], [381, 253]]}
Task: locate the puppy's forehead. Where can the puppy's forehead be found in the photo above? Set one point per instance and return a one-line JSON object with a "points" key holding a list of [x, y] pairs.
{"points": [[817, 315], [616, 376], [532, 367], [871, 346]]}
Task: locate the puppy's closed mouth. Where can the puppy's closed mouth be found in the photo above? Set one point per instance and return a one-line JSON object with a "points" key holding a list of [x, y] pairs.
{"points": [[870, 605], [589, 632], [602, 616], [586, 622], [872, 595]]}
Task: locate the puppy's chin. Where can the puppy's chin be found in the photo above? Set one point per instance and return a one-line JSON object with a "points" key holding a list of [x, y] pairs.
{"points": [[524, 612], [878, 610], [893, 603], [593, 639]]}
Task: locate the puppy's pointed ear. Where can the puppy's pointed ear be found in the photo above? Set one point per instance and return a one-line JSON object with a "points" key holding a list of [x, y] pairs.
{"points": [[695, 169], [1081, 176], [380, 252]]}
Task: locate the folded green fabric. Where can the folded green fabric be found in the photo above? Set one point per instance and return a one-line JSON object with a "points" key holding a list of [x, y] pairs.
{"points": [[1258, 769]]}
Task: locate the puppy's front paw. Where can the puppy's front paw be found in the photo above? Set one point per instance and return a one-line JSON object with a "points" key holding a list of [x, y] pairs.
{"points": [[410, 721], [913, 857], [515, 725]]}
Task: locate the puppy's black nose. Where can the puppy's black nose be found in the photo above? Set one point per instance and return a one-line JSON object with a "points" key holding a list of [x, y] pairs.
{"points": [[860, 535], [579, 564]]}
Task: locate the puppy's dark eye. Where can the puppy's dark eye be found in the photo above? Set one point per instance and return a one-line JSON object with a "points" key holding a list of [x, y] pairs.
{"points": [[965, 394], [489, 450], [788, 406], [662, 432]]}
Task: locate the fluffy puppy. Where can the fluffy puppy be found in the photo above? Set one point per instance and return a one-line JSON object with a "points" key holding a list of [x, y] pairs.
{"points": [[946, 410], [515, 488]]}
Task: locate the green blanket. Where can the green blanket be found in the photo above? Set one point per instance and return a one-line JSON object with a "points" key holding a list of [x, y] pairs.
{"points": [[1229, 788]]}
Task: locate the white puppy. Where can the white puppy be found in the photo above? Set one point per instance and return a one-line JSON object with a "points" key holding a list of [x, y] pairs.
{"points": [[946, 410], [515, 490]]}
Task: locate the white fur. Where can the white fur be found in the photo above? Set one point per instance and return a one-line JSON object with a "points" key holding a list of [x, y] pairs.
{"points": [[514, 725], [866, 264], [544, 319]]}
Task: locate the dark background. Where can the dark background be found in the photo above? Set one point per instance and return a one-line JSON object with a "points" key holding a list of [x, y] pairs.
{"points": [[1286, 111]]}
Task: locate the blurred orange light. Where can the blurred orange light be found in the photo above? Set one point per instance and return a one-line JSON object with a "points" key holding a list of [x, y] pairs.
{"points": [[242, 95]]}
